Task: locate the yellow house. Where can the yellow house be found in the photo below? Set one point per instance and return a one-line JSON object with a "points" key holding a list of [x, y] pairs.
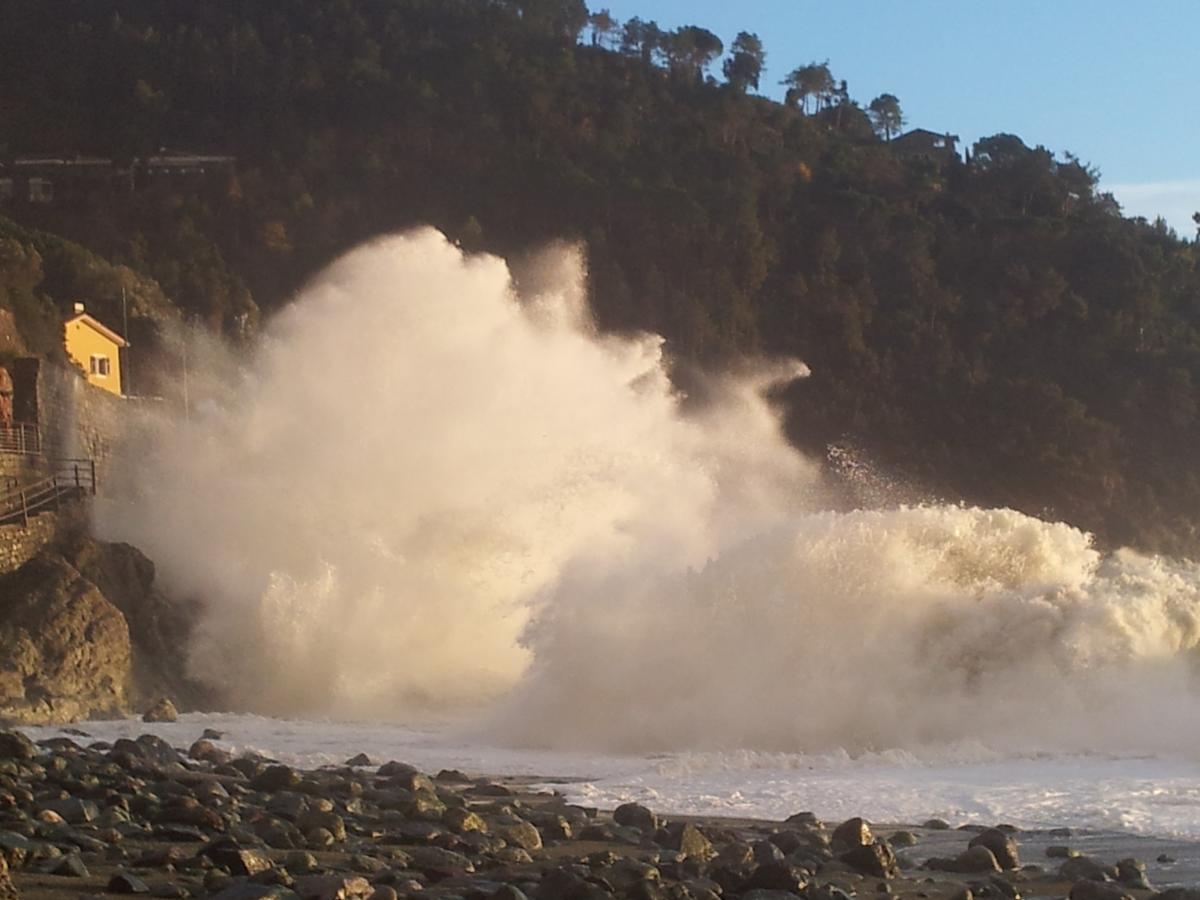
{"points": [[95, 348]]}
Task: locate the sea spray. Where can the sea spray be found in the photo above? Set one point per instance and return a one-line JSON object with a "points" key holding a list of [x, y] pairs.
{"points": [[910, 627], [397, 481], [425, 492]]}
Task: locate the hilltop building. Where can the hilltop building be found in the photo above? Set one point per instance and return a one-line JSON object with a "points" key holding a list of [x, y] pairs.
{"points": [[96, 348], [65, 180], [928, 144]]}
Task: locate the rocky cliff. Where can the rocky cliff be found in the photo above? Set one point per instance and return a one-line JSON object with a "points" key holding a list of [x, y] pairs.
{"points": [[64, 648], [85, 633]]}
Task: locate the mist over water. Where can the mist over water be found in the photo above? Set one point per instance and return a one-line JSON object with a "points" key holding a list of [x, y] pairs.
{"points": [[424, 492]]}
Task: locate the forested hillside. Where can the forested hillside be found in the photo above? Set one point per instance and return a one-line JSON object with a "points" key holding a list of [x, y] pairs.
{"points": [[992, 328]]}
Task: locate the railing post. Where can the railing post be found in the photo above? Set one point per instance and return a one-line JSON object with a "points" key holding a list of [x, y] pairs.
{"points": [[93, 463], [24, 511]]}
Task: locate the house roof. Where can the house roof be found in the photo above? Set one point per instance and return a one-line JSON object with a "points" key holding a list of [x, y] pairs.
{"points": [[926, 133], [100, 327]]}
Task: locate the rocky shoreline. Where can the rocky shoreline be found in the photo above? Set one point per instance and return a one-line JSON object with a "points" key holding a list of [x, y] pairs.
{"points": [[83, 818]]}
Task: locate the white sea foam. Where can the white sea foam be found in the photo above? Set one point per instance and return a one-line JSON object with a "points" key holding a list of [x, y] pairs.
{"points": [[423, 492]]}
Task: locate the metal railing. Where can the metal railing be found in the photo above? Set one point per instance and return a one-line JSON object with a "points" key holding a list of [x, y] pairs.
{"points": [[20, 437], [69, 479]]}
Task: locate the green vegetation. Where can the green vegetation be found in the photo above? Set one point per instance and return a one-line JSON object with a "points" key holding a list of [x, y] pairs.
{"points": [[992, 329]]}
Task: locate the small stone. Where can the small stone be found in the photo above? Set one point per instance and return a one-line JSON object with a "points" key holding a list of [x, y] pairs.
{"points": [[764, 852], [319, 838], [634, 815], [163, 710], [15, 745], [490, 789], [206, 751], [275, 778], [360, 759], [461, 820], [973, 860], [1098, 890], [689, 840], [248, 890], [976, 858], [70, 866], [301, 861], [1003, 847], [518, 833], [903, 839], [240, 861], [875, 859], [778, 876], [853, 833], [803, 818], [1132, 873], [997, 883], [329, 821], [1060, 851], [936, 825], [333, 887], [393, 768], [1080, 868], [125, 883], [73, 810], [1164, 859]]}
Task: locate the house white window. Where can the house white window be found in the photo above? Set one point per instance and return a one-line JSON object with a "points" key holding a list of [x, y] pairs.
{"points": [[100, 365]]}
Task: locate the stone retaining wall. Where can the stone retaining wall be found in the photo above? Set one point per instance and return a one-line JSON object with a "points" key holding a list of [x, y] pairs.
{"points": [[77, 421], [19, 544]]}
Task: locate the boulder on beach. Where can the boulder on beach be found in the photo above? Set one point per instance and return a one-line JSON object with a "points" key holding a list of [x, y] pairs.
{"points": [[853, 833], [14, 745], [876, 860], [1003, 847], [162, 710], [634, 815]]}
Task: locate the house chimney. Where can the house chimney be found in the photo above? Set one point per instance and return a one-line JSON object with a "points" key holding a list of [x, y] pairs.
{"points": [[78, 307]]}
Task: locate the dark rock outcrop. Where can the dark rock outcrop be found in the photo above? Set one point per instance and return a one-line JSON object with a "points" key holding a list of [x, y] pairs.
{"points": [[84, 633], [158, 626], [64, 649]]}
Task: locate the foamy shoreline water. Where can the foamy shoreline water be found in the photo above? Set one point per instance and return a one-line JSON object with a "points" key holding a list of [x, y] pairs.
{"points": [[1148, 795]]}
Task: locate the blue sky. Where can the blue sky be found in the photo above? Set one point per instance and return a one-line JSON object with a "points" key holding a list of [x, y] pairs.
{"points": [[1116, 83]]}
